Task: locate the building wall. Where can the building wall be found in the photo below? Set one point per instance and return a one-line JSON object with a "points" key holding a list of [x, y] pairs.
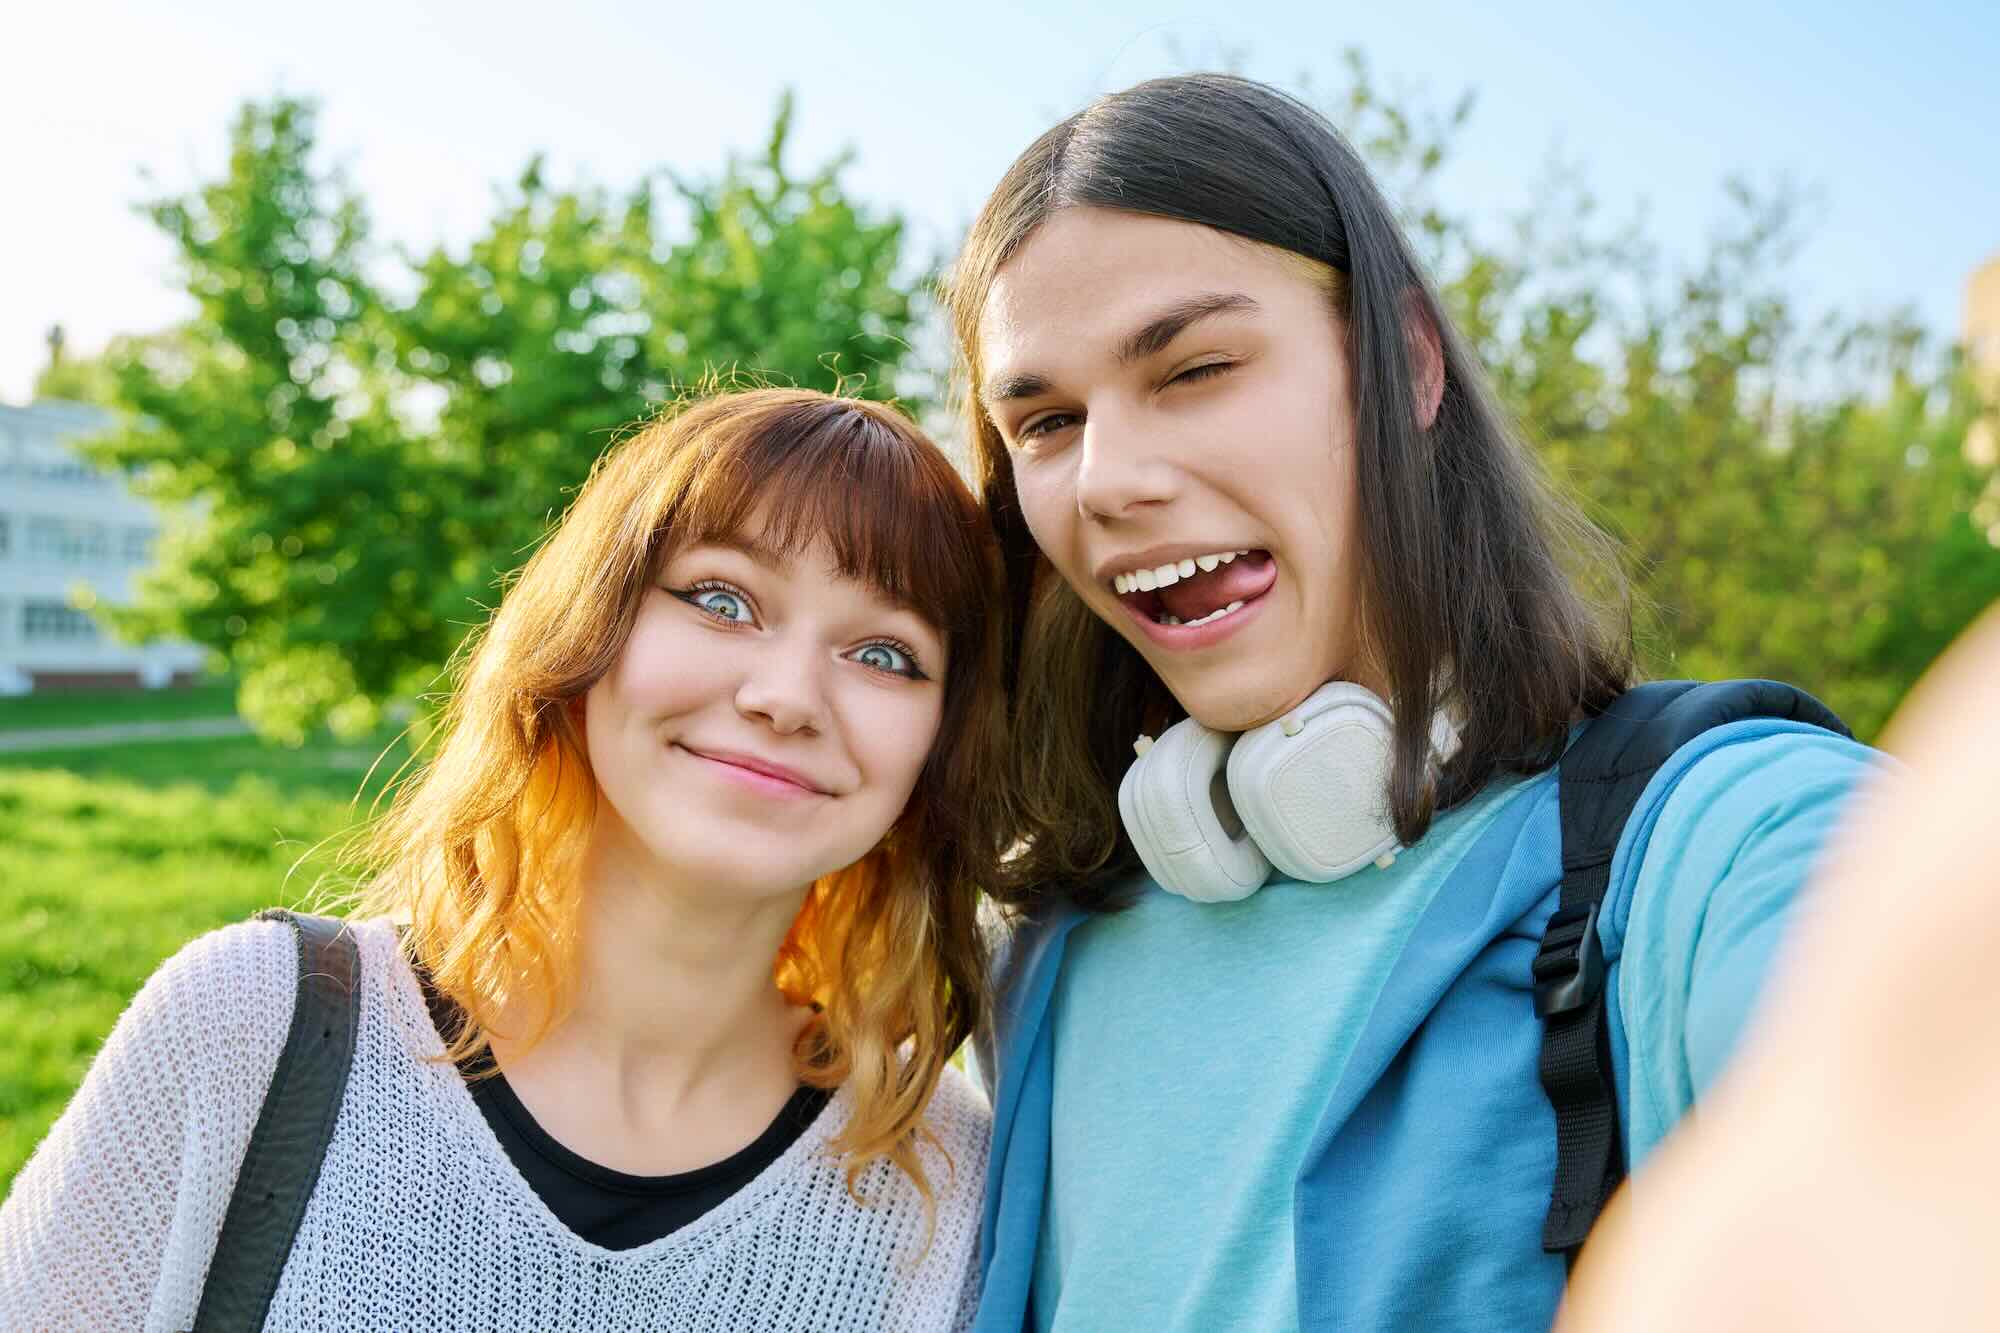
{"points": [[71, 537]]}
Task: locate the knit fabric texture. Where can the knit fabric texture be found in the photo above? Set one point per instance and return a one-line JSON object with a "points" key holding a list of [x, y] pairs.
{"points": [[419, 1219]]}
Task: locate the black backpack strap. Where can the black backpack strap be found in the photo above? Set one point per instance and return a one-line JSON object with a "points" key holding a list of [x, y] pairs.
{"points": [[1602, 777], [281, 1165]]}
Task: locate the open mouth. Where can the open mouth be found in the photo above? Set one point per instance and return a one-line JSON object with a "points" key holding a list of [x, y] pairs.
{"points": [[1197, 592]]}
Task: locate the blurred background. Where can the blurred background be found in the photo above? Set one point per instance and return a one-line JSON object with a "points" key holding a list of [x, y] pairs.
{"points": [[312, 318]]}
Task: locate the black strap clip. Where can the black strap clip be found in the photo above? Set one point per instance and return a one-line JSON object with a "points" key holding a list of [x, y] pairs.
{"points": [[1569, 968]]}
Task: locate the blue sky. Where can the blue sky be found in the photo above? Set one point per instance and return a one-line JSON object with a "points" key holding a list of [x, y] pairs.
{"points": [[1894, 118]]}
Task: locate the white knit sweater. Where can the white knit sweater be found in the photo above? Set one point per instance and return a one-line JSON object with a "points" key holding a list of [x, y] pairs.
{"points": [[419, 1219]]}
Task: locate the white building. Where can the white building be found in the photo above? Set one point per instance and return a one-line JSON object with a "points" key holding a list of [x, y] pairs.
{"points": [[71, 536]]}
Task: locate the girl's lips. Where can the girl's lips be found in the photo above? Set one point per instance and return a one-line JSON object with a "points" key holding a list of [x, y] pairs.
{"points": [[757, 774], [1188, 638]]}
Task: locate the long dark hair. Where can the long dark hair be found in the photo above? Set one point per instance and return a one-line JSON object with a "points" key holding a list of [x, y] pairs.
{"points": [[1472, 567]]}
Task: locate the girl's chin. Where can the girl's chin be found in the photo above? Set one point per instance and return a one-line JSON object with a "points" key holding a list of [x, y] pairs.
{"points": [[725, 872]]}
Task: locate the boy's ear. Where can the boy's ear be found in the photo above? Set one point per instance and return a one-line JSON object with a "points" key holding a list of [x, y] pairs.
{"points": [[1426, 360]]}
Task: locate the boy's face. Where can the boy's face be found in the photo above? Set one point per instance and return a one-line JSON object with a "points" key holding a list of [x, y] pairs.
{"points": [[1176, 409]]}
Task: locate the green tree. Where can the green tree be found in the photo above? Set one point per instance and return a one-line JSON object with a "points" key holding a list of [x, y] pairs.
{"points": [[263, 419], [1796, 501], [359, 475], [1783, 491], [577, 312]]}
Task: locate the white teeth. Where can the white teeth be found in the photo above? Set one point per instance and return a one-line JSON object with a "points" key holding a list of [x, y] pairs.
{"points": [[1216, 614], [1165, 576]]}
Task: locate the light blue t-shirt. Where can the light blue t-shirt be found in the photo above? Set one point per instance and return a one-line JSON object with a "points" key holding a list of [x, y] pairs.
{"points": [[1194, 1044]]}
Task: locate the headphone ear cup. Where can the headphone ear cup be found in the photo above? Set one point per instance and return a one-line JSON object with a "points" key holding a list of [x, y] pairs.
{"points": [[1169, 802], [1312, 787]]}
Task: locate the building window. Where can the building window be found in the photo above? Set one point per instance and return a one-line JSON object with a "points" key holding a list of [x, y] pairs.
{"points": [[68, 541], [63, 471], [139, 545], [49, 622], [6, 535]]}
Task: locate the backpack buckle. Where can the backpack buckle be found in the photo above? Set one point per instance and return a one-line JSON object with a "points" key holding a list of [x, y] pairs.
{"points": [[1569, 968]]}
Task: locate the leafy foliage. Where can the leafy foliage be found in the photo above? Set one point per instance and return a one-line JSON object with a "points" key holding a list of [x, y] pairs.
{"points": [[1796, 499], [360, 473]]}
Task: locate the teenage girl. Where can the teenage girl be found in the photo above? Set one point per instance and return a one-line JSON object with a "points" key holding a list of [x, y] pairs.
{"points": [[662, 957]]}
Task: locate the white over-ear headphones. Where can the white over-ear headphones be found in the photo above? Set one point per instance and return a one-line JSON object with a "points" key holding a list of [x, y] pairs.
{"points": [[1212, 812]]}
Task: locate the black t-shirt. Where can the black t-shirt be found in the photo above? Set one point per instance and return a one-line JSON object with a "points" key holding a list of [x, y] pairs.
{"points": [[607, 1207]]}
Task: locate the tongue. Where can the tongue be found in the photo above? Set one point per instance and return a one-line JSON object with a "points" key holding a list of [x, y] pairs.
{"points": [[1241, 579]]}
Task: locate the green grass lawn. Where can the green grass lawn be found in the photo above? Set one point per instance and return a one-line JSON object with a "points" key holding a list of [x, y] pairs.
{"points": [[111, 859], [217, 763], [86, 708]]}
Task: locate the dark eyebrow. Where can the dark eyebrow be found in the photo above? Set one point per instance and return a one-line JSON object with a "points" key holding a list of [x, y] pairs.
{"points": [[1012, 387], [1155, 335], [1170, 323]]}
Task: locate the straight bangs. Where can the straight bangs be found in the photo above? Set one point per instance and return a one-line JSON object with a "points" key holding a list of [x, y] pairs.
{"points": [[850, 478]]}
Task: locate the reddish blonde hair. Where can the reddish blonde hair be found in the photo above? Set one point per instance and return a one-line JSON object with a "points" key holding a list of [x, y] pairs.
{"points": [[480, 850]]}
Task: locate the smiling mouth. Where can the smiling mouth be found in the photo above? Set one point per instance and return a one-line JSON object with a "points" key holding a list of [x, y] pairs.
{"points": [[757, 773], [1212, 591]]}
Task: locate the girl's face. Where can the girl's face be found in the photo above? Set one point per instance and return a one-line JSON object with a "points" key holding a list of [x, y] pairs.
{"points": [[765, 723], [1175, 405]]}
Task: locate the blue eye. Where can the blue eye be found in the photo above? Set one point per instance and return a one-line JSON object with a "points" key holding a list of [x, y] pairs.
{"points": [[720, 601], [724, 604], [890, 657]]}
